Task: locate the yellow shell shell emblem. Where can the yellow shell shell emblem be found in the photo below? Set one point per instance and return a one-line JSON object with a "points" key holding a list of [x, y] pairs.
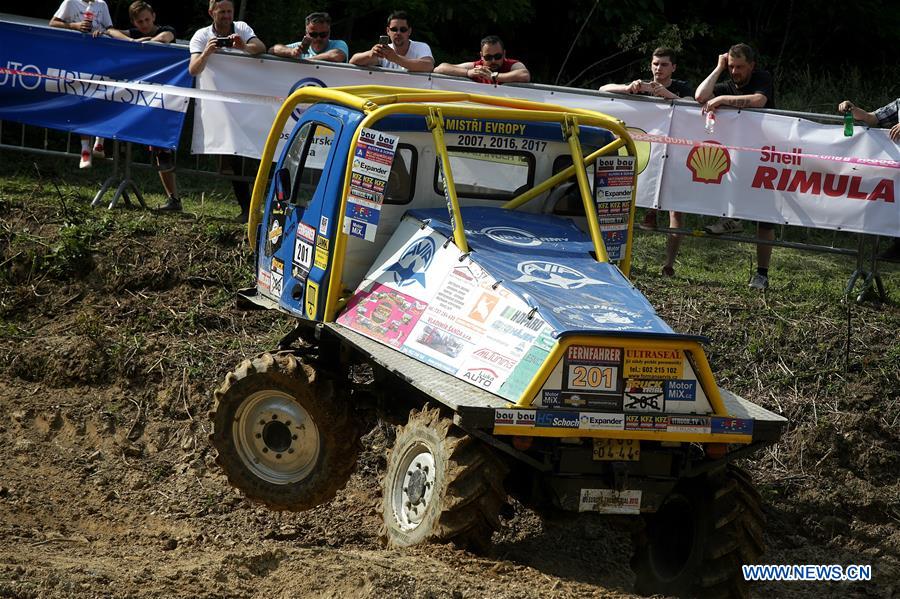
{"points": [[709, 164]]}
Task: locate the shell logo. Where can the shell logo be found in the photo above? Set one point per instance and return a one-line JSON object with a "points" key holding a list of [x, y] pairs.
{"points": [[709, 164]]}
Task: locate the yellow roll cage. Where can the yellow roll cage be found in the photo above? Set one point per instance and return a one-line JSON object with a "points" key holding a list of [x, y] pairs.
{"points": [[377, 102]]}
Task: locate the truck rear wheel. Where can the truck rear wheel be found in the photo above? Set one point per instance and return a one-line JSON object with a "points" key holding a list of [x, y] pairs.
{"points": [[702, 534], [282, 436], [441, 485]]}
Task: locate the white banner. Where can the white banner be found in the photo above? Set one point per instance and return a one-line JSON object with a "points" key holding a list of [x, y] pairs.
{"points": [[750, 177]]}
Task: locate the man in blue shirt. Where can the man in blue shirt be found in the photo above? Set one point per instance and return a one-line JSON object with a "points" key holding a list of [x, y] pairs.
{"points": [[316, 44]]}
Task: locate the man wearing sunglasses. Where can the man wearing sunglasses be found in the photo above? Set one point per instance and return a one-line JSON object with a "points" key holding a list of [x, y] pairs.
{"points": [[492, 67], [316, 44], [402, 54]]}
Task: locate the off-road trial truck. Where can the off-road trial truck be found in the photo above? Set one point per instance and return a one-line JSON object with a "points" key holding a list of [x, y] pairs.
{"points": [[471, 254]]}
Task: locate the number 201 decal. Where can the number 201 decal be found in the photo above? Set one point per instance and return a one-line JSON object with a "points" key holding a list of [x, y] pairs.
{"points": [[594, 378]]}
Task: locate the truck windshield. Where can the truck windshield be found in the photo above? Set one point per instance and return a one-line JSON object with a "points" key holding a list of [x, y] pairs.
{"points": [[499, 175]]}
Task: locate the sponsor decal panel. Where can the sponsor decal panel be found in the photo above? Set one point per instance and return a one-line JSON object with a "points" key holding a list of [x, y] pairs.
{"points": [[602, 422], [372, 161], [613, 190], [644, 396], [681, 390], [277, 276], [311, 299], [689, 424], [303, 255], [597, 401], [592, 369], [514, 417], [731, 426], [634, 422], [264, 280], [382, 313], [557, 419], [610, 501], [654, 364]]}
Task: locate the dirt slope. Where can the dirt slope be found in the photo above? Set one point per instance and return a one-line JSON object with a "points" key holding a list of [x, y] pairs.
{"points": [[115, 328]]}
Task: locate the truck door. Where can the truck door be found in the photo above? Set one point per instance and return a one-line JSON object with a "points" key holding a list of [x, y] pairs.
{"points": [[298, 219]]}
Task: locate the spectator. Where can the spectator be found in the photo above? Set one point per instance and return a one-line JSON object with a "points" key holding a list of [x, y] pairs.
{"points": [[402, 54], [86, 16], [886, 116], [316, 44], [143, 26], [662, 65], [492, 67], [145, 29], [225, 32], [746, 88]]}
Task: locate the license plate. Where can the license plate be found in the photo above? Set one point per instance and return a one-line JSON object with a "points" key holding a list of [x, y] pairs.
{"points": [[617, 450]]}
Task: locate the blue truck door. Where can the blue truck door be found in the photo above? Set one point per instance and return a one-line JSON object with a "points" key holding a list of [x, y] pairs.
{"points": [[298, 223]]}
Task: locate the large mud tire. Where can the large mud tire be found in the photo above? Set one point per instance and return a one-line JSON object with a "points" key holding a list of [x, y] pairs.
{"points": [[283, 436], [441, 485], [695, 544]]}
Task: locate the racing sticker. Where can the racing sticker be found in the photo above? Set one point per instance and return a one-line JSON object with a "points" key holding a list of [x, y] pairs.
{"points": [[514, 417], [610, 501], [646, 423], [556, 419], [322, 252], [654, 364], [602, 422], [592, 369], [303, 255], [689, 424], [312, 299], [275, 231], [731, 426], [372, 162], [613, 188], [277, 276], [644, 396], [554, 399], [264, 280], [681, 390], [383, 314]]}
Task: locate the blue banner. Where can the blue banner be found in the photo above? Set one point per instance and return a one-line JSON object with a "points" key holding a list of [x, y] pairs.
{"points": [[47, 74]]}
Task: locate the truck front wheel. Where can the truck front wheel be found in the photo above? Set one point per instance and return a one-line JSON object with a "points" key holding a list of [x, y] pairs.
{"points": [[283, 436], [695, 544], [441, 485]]}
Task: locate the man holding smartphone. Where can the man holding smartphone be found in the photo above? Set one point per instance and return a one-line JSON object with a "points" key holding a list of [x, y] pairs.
{"points": [[401, 54], [316, 44], [224, 32], [491, 67]]}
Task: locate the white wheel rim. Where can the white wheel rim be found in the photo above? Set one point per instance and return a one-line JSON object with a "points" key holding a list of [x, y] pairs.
{"points": [[275, 437], [413, 486]]}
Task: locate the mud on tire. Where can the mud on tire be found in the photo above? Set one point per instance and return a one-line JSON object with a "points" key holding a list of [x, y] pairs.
{"points": [[283, 436], [441, 485], [702, 534]]}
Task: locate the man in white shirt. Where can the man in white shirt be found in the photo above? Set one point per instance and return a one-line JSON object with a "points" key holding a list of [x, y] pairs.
{"points": [[402, 54], [86, 17], [91, 17], [224, 32]]}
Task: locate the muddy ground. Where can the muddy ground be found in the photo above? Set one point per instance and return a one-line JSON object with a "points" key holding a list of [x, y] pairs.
{"points": [[116, 327]]}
